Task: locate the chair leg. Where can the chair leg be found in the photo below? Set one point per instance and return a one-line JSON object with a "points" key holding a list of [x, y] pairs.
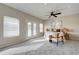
{"points": [[62, 40], [57, 41]]}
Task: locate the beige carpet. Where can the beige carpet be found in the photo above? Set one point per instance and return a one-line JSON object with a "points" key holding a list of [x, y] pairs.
{"points": [[40, 46]]}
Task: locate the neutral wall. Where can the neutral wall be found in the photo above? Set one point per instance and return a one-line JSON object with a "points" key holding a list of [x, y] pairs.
{"points": [[24, 18], [71, 22]]}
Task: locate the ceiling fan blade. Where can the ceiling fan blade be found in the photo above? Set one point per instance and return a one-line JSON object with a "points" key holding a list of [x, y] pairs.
{"points": [[58, 13], [54, 15]]}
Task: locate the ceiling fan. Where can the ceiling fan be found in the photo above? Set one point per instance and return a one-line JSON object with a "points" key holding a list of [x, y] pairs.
{"points": [[54, 14]]}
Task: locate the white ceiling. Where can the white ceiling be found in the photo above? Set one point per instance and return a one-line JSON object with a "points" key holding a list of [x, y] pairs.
{"points": [[42, 10]]}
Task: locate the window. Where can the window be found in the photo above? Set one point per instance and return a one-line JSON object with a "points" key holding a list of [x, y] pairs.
{"points": [[11, 26], [29, 29], [41, 27], [34, 29]]}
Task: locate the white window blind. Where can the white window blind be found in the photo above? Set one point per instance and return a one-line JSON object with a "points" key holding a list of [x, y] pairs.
{"points": [[11, 26], [41, 27], [34, 28], [29, 29]]}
